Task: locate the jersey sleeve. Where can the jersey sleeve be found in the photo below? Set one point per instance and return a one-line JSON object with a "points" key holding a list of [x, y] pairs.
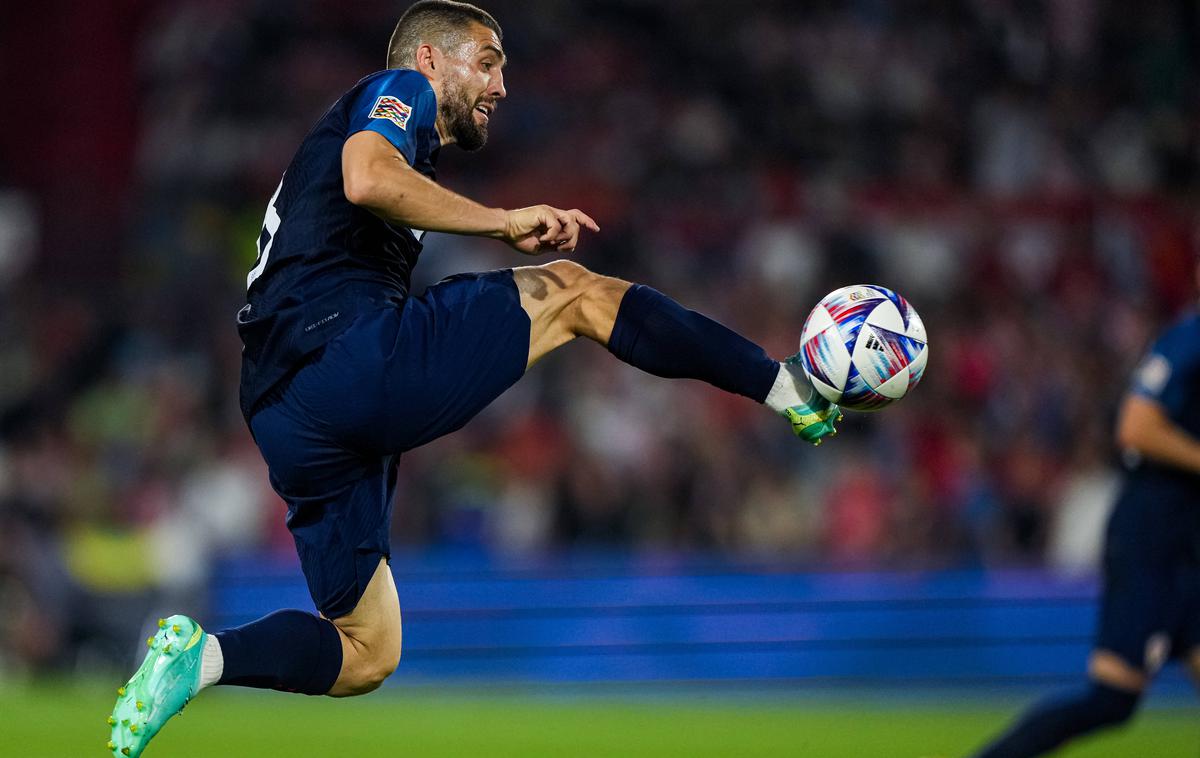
{"points": [[401, 106], [1165, 375]]}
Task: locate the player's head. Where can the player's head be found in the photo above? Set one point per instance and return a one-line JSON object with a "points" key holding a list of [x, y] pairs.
{"points": [[457, 47]]}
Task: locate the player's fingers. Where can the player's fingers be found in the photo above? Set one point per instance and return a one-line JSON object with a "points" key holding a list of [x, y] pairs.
{"points": [[569, 237], [584, 219], [565, 218], [553, 228], [573, 240]]}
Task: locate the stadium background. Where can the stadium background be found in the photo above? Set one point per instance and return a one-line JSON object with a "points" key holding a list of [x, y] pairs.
{"points": [[617, 563]]}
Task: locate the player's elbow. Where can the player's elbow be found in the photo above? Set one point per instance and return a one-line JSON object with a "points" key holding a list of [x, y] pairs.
{"points": [[360, 187], [1128, 436]]}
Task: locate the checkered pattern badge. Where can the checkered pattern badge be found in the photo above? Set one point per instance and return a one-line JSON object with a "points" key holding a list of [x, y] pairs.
{"points": [[393, 110]]}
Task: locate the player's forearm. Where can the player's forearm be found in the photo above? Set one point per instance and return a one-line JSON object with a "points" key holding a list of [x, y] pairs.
{"points": [[1170, 446], [400, 195]]}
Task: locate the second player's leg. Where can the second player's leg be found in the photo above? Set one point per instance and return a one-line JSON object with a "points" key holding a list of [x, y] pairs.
{"points": [[1134, 611], [1109, 699]]}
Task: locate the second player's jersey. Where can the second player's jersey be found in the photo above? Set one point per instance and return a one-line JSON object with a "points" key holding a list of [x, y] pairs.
{"points": [[1157, 517], [1160, 504], [321, 259]]}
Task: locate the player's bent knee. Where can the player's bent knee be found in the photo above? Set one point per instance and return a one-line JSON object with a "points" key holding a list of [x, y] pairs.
{"points": [[1108, 668], [365, 672], [377, 671], [568, 273], [590, 300], [594, 310], [371, 638], [566, 300], [550, 284]]}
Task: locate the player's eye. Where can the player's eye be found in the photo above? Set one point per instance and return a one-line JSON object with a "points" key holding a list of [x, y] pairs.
{"points": [[487, 65]]}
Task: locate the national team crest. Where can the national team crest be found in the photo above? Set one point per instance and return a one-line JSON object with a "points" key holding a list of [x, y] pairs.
{"points": [[393, 110]]}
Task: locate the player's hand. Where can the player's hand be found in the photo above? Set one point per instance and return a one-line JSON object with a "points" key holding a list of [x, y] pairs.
{"points": [[542, 228]]}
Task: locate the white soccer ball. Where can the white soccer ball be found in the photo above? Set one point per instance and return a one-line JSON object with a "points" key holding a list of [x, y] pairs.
{"points": [[863, 347]]}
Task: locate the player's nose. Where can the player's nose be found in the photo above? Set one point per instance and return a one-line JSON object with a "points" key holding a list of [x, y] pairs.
{"points": [[497, 90]]}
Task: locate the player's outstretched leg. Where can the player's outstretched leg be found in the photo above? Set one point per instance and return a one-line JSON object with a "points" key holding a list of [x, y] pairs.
{"points": [[649, 330], [288, 650]]}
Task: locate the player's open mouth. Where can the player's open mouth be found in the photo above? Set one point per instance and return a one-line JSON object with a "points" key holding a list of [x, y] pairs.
{"points": [[486, 110]]}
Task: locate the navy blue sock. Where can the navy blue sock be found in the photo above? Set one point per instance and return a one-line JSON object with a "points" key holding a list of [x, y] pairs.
{"points": [[661, 337], [291, 651], [1052, 722]]}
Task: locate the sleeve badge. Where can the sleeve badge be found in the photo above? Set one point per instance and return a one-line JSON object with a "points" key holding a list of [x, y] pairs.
{"points": [[1153, 375], [392, 109]]}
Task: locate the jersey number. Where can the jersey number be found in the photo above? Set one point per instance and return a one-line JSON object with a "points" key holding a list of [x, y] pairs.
{"points": [[266, 238]]}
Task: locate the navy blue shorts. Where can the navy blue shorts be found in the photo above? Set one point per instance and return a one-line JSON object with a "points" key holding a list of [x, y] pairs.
{"points": [[1150, 608], [395, 379]]}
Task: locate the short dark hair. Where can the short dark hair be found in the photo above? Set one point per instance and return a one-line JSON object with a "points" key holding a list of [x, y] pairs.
{"points": [[436, 22]]}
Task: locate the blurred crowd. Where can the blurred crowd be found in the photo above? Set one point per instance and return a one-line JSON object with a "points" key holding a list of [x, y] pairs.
{"points": [[1023, 171]]}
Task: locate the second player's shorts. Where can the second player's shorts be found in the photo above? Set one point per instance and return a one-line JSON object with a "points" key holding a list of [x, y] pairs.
{"points": [[394, 380], [1150, 608]]}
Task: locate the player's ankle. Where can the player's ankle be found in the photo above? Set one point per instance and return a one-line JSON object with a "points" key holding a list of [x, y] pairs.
{"points": [[791, 388], [212, 662]]}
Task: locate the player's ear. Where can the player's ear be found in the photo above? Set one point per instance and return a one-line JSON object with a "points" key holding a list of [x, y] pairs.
{"points": [[428, 60]]}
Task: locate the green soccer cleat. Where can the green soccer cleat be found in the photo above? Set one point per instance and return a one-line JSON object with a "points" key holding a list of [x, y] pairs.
{"points": [[168, 678], [813, 420]]}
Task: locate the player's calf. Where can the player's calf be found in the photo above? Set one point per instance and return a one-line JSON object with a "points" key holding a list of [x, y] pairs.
{"points": [[1056, 720], [649, 330]]}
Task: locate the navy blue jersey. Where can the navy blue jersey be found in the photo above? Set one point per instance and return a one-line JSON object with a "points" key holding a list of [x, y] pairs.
{"points": [[1157, 516], [322, 260], [1170, 376]]}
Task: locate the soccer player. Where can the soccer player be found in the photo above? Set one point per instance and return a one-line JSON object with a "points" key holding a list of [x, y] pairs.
{"points": [[343, 370], [1150, 608]]}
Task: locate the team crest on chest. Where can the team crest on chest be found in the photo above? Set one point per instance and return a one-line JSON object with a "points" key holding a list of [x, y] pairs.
{"points": [[393, 110]]}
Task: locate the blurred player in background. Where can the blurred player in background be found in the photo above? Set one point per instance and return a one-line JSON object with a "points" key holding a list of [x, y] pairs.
{"points": [[1150, 609], [343, 371]]}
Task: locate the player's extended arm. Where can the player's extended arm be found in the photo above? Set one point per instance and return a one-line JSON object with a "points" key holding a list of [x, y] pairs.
{"points": [[1143, 426], [376, 176]]}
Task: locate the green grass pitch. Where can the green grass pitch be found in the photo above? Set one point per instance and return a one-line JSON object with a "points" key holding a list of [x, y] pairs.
{"points": [[68, 722]]}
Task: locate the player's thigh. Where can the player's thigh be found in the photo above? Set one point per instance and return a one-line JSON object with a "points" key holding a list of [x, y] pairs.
{"points": [[432, 365], [339, 501], [1134, 635], [565, 300]]}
